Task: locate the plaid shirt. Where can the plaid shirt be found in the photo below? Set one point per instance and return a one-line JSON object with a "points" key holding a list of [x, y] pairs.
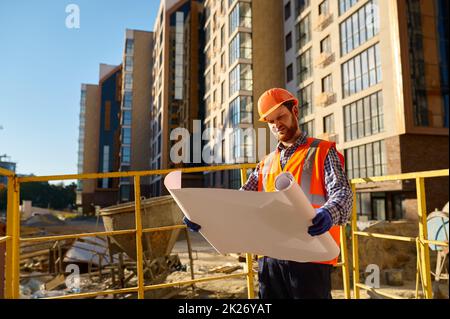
{"points": [[339, 194]]}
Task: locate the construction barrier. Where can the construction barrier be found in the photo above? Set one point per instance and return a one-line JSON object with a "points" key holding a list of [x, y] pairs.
{"points": [[13, 236], [423, 272]]}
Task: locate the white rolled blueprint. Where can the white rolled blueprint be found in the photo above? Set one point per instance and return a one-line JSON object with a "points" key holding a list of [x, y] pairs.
{"points": [[273, 224]]}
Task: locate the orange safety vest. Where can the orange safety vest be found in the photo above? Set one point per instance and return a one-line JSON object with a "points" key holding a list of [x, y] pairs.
{"points": [[307, 166]]}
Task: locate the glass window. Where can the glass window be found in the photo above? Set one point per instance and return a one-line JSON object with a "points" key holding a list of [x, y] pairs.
{"points": [[222, 36], [364, 119], [126, 118], [365, 70], [324, 8], [128, 81], [126, 154], [355, 156], [374, 113], [129, 46], [305, 101], [288, 43], [367, 117], [126, 135], [366, 160], [325, 45], [303, 32], [361, 71], [308, 128], [241, 47], [359, 27], [344, 5], [358, 78], [300, 6], [241, 110], [328, 124], [369, 160], [304, 66], [129, 63], [362, 161], [240, 16], [349, 163], [289, 73], [241, 78], [327, 84], [127, 100], [347, 123], [360, 117], [354, 121], [287, 10], [246, 77]]}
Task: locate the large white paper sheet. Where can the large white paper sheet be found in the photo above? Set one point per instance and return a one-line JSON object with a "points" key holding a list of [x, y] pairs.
{"points": [[273, 224]]}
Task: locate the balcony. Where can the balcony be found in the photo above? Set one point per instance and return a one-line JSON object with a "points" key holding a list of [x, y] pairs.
{"points": [[325, 99], [324, 59], [323, 21], [330, 137]]}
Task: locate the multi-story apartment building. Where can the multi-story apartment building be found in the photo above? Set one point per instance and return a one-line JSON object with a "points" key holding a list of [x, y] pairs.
{"points": [[99, 138], [373, 76], [11, 166], [135, 110], [88, 142], [243, 58], [177, 86]]}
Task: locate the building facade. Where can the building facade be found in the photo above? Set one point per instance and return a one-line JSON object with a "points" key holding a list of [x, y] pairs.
{"points": [[135, 110], [99, 138], [88, 145], [377, 85], [177, 86], [243, 58], [10, 166]]}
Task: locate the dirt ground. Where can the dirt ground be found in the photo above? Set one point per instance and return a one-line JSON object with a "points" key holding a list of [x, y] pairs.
{"points": [[206, 263], [206, 258]]}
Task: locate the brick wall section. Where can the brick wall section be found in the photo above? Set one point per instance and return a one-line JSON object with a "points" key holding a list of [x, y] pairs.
{"points": [[422, 153]]}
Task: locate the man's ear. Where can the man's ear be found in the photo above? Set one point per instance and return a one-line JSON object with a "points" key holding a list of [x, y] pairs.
{"points": [[295, 111]]}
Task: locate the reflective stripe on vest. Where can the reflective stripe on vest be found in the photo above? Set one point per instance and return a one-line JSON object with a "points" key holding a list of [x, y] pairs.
{"points": [[307, 165]]}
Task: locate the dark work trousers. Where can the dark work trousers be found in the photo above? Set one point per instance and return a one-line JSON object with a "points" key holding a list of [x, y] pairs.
{"points": [[285, 279]]}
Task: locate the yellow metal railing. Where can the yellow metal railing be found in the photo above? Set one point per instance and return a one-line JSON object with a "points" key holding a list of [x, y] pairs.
{"points": [[423, 252], [13, 239]]}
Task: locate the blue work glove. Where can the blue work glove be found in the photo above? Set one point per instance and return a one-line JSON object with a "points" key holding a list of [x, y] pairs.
{"points": [[321, 223], [191, 225]]}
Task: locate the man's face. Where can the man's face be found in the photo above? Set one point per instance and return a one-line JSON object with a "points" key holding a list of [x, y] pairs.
{"points": [[283, 123]]}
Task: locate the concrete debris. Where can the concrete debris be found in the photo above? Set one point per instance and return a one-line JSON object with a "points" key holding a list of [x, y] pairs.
{"points": [[92, 250], [394, 277], [55, 283], [226, 269], [43, 221]]}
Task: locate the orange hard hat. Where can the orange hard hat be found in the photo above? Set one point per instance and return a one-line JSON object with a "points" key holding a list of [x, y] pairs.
{"points": [[271, 99]]}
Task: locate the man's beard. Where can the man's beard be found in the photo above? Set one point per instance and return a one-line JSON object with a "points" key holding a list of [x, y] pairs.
{"points": [[288, 134]]}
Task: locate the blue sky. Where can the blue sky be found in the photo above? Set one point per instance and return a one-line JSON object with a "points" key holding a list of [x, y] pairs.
{"points": [[43, 64]]}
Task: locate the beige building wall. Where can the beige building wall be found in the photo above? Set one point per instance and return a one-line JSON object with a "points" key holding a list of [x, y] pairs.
{"points": [[91, 140], [138, 62], [142, 99], [402, 139]]}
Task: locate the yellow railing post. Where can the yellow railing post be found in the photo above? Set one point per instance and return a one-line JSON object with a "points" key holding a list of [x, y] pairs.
{"points": [[344, 259], [12, 289], [139, 252], [248, 257], [423, 235], [355, 252]]}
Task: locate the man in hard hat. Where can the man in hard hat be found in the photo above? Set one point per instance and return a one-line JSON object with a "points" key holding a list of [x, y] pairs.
{"points": [[318, 168]]}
